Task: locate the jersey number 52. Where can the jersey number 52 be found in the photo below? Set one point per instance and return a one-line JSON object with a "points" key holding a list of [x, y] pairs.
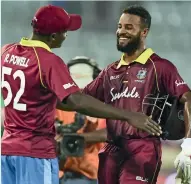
{"points": [[5, 84]]}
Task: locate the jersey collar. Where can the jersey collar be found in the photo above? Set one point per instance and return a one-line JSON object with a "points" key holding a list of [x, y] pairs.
{"points": [[142, 59], [34, 43]]}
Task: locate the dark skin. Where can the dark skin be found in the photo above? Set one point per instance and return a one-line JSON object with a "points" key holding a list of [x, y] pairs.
{"points": [[54, 40], [131, 26], [93, 137], [186, 99], [90, 106]]}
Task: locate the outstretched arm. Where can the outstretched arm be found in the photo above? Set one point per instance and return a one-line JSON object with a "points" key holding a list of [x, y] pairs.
{"points": [[90, 106], [58, 80]]}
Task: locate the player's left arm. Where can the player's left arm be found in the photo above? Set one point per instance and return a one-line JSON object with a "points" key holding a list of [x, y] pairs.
{"points": [[176, 86], [186, 99]]}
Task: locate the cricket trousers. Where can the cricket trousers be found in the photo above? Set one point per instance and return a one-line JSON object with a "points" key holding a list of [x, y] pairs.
{"points": [[135, 161]]}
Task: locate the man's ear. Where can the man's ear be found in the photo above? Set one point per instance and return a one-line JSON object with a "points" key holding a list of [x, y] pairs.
{"points": [[53, 36], [145, 32]]}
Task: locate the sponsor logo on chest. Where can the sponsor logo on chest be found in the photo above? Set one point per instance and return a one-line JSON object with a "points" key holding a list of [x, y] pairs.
{"points": [[125, 94], [114, 77]]}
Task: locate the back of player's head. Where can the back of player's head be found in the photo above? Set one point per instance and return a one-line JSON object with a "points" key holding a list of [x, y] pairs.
{"points": [[51, 23], [141, 12], [52, 19]]}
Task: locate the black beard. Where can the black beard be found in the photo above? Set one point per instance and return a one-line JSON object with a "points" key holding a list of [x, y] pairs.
{"points": [[131, 47]]}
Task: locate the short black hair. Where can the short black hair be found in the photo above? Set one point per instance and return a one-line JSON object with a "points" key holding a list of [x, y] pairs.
{"points": [[141, 12]]}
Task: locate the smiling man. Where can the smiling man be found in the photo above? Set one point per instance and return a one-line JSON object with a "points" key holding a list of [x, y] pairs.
{"points": [[132, 156]]}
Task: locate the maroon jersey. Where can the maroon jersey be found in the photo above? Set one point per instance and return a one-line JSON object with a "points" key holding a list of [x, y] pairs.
{"points": [[33, 78], [125, 86]]}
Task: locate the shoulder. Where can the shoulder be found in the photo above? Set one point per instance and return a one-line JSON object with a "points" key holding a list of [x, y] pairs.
{"points": [[162, 63], [110, 67], [56, 59], [47, 55], [113, 65], [49, 59], [6, 47]]}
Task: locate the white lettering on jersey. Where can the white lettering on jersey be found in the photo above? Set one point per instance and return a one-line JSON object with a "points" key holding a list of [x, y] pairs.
{"points": [[178, 83], [126, 94], [139, 178], [140, 81], [16, 60], [114, 77], [69, 85], [6, 71]]}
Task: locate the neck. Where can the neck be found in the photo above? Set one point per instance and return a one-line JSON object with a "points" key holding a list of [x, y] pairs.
{"points": [[130, 58], [40, 38]]}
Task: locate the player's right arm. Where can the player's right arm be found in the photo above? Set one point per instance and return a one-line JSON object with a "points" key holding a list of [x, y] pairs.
{"points": [[59, 81]]}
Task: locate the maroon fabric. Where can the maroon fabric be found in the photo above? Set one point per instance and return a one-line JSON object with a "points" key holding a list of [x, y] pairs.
{"points": [[52, 19], [138, 160], [126, 88], [29, 127]]}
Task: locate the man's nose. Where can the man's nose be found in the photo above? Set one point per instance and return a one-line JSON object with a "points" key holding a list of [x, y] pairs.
{"points": [[122, 31]]}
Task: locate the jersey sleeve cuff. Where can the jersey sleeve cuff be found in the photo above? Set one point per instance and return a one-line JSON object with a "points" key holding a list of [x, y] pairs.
{"points": [[66, 94]]}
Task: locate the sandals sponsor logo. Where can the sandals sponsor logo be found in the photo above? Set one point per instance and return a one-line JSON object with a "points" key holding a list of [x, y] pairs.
{"points": [[125, 94]]}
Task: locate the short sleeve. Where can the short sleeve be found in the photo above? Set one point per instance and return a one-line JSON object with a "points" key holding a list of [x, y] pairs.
{"points": [[172, 81], [57, 78], [96, 87]]}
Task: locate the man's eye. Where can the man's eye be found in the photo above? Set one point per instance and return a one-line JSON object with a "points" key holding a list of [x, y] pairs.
{"points": [[128, 27]]}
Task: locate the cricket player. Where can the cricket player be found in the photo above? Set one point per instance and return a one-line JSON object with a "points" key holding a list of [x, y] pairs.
{"points": [[132, 156], [34, 83]]}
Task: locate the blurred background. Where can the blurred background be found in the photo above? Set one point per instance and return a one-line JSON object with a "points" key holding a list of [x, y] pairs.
{"points": [[169, 37]]}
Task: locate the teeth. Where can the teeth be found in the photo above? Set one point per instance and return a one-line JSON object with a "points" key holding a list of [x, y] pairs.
{"points": [[123, 38]]}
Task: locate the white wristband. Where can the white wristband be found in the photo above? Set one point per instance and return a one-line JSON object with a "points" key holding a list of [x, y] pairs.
{"points": [[186, 146]]}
